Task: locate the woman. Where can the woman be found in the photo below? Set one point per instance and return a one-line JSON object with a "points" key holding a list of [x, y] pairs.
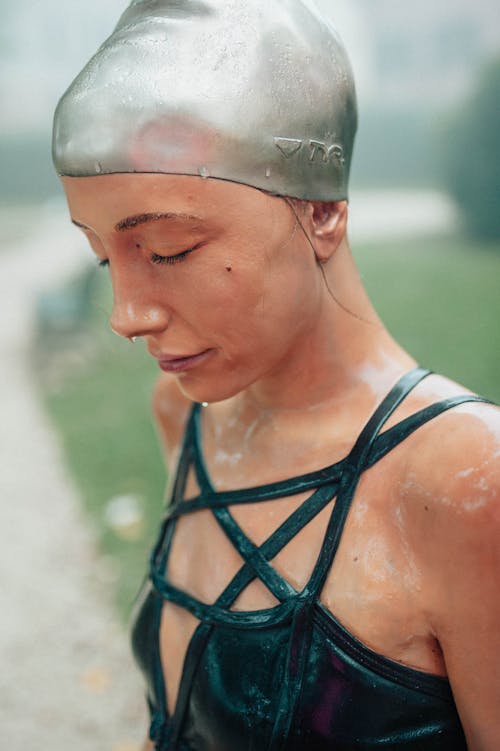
{"points": [[327, 572]]}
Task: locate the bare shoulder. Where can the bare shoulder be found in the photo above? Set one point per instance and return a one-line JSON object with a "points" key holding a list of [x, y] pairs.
{"points": [[450, 493], [453, 461], [170, 409], [460, 448]]}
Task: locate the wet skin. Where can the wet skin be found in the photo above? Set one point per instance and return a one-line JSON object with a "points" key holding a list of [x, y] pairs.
{"points": [[296, 360]]}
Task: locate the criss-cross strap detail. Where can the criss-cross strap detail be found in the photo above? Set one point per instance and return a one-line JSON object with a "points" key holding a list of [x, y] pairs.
{"points": [[343, 477], [217, 612], [311, 507], [252, 554], [278, 540], [337, 482]]}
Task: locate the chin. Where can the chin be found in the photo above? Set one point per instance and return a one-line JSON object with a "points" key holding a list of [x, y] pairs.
{"points": [[209, 390]]}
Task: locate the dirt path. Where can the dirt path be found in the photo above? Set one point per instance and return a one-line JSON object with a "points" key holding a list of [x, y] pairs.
{"points": [[67, 678]]}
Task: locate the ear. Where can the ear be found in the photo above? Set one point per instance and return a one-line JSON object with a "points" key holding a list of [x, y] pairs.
{"points": [[327, 225]]}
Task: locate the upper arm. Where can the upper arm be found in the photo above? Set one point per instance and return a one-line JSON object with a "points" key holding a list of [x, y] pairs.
{"points": [[170, 410], [462, 556]]}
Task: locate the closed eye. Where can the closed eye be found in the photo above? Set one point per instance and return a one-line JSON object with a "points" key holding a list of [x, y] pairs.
{"points": [[156, 258]]}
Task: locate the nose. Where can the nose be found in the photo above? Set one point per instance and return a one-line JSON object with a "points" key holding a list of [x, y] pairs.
{"points": [[134, 314], [129, 320]]}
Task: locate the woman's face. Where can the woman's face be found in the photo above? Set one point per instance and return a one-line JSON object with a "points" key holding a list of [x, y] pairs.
{"points": [[218, 278]]}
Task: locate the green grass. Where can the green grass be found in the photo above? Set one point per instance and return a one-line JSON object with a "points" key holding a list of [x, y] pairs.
{"points": [[439, 298]]}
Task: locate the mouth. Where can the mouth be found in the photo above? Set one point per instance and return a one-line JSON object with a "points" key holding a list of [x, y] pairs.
{"points": [[179, 363]]}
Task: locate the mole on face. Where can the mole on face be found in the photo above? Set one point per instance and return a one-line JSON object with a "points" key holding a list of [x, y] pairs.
{"points": [[229, 268]]}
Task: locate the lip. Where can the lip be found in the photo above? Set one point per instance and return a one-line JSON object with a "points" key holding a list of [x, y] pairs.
{"points": [[180, 363]]}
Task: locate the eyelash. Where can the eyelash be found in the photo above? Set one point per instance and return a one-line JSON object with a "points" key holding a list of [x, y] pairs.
{"points": [[155, 258]]}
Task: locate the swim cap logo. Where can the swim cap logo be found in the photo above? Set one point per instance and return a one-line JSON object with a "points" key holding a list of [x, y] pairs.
{"points": [[319, 151], [288, 146]]}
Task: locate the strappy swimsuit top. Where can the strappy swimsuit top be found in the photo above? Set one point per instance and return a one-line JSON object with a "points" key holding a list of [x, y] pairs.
{"points": [[289, 677]]}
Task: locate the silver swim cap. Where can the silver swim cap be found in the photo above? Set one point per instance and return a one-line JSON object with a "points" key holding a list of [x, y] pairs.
{"points": [[258, 92]]}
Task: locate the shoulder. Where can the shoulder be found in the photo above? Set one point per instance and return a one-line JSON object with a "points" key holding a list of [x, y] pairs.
{"points": [[450, 492], [458, 451], [449, 495], [452, 464], [170, 409], [447, 499]]}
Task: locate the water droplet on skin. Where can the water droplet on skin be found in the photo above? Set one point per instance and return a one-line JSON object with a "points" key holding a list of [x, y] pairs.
{"points": [[204, 172], [98, 167]]}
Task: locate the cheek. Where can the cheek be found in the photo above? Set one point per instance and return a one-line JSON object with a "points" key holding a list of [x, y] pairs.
{"points": [[232, 296], [228, 279], [248, 308]]}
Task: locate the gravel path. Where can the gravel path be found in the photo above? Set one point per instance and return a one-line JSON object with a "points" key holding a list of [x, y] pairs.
{"points": [[67, 678]]}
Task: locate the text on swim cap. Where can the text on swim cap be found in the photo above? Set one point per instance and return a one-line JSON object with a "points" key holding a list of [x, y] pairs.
{"points": [[319, 151]]}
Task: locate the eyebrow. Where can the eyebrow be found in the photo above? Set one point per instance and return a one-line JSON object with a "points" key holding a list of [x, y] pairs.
{"points": [[133, 221]]}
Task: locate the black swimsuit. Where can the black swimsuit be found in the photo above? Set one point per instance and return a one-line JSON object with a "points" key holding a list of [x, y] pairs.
{"points": [[290, 677]]}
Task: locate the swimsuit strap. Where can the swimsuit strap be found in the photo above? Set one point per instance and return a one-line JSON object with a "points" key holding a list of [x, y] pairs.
{"points": [[206, 487], [353, 468], [185, 460], [369, 449], [391, 438]]}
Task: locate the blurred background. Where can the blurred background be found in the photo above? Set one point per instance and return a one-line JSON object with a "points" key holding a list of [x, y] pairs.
{"points": [[82, 479]]}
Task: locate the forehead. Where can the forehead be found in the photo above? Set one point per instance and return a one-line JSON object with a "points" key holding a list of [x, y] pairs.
{"points": [[119, 201]]}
